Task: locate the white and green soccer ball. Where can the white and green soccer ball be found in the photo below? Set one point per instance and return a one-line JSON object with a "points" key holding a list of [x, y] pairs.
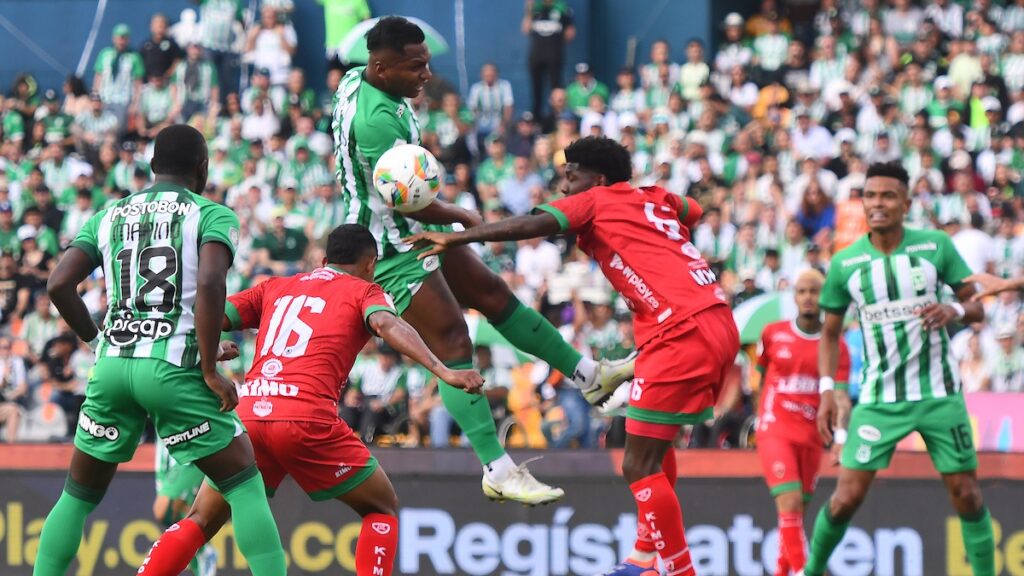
{"points": [[408, 177]]}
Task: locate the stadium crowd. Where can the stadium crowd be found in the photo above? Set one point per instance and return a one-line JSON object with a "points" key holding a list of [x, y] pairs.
{"points": [[771, 133]]}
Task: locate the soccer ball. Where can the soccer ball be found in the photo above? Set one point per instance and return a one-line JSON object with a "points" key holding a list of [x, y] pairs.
{"points": [[408, 177]]}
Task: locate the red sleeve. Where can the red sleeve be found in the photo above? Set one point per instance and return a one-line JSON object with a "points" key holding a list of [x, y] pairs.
{"points": [[376, 299], [687, 208], [572, 212], [843, 369], [762, 353], [245, 308]]}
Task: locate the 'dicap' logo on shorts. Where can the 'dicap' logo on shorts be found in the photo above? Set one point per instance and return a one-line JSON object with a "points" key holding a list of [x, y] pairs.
{"points": [[382, 528], [431, 263], [869, 433], [779, 469]]}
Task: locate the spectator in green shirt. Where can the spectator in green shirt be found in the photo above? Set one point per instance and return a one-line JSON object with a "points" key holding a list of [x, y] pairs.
{"points": [[118, 76], [57, 123], [497, 167], [582, 88], [281, 249], [340, 16], [8, 230], [195, 85]]}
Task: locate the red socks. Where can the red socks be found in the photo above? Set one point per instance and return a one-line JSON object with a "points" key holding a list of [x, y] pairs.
{"points": [[377, 546], [668, 468], [171, 554], [791, 540], [658, 509]]}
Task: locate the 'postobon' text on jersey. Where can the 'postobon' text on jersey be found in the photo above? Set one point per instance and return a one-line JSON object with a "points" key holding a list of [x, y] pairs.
{"points": [[148, 245], [902, 360]]}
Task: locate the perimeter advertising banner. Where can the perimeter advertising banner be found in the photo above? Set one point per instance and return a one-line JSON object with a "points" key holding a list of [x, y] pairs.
{"points": [[447, 527]]}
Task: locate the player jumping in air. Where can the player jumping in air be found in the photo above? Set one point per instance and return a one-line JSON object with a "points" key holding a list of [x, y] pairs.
{"points": [[311, 327], [165, 254], [895, 276], [176, 488], [787, 433], [684, 330], [372, 114]]}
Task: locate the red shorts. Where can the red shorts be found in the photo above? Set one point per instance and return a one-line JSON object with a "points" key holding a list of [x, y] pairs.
{"points": [[326, 460], [789, 466], [680, 373]]}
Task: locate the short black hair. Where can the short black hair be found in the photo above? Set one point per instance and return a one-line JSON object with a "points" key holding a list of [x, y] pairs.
{"points": [[889, 170], [393, 33], [178, 151], [602, 155], [349, 243]]}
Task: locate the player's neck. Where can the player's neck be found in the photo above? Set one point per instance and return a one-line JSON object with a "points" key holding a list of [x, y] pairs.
{"points": [[887, 241], [176, 180], [810, 326], [377, 82]]}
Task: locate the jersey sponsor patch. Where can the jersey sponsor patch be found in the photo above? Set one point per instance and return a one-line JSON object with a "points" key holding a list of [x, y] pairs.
{"points": [[271, 368], [127, 331], [262, 408], [261, 387], [898, 311]]}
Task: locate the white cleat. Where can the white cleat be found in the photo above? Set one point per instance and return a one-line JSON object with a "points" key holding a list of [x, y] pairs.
{"points": [[520, 486], [207, 559], [609, 376]]}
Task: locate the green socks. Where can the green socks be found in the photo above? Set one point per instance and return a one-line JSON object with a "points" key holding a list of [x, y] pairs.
{"points": [[827, 535], [528, 331], [980, 543], [472, 412], [62, 531], [255, 528]]}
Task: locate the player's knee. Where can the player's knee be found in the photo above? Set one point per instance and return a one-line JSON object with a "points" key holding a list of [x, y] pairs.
{"points": [[845, 502], [636, 467], [966, 495], [458, 342]]}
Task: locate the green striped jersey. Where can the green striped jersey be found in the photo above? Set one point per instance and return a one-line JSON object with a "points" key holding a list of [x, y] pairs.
{"points": [[902, 360], [148, 245], [367, 123]]}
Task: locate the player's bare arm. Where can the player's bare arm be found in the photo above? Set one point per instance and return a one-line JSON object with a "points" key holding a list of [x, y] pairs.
{"points": [[992, 285], [834, 410], [935, 316], [441, 212], [402, 337], [73, 268], [518, 228], [211, 292]]}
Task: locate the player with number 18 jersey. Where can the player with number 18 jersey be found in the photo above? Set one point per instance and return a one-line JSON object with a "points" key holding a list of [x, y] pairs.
{"points": [[311, 327], [684, 330]]}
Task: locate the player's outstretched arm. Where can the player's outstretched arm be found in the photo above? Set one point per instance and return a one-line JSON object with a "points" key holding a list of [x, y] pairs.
{"points": [[62, 287], [211, 291], [518, 228], [992, 285], [404, 338], [441, 212], [834, 410]]}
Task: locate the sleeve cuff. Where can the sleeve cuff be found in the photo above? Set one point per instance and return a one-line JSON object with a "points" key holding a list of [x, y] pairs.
{"points": [[370, 312], [685, 211], [234, 318], [90, 251], [563, 220], [835, 309], [221, 240]]}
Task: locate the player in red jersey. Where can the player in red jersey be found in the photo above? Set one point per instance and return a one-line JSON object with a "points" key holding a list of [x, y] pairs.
{"points": [[787, 432], [684, 330], [311, 327]]}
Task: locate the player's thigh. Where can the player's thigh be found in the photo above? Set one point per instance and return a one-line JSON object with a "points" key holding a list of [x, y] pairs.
{"points": [[946, 429], [327, 460], [375, 495], [676, 382], [110, 421], [210, 511], [874, 432], [402, 275], [185, 412], [780, 464], [474, 284], [810, 466], [262, 436], [437, 316]]}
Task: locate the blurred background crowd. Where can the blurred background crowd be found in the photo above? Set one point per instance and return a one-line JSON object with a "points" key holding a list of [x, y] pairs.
{"points": [[771, 132]]}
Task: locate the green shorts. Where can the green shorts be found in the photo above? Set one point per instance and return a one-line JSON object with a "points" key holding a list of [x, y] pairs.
{"points": [[402, 275], [176, 481], [943, 423], [123, 391]]}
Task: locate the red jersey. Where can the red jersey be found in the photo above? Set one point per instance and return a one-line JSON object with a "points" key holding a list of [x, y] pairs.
{"points": [[641, 239], [311, 327], [788, 364]]}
